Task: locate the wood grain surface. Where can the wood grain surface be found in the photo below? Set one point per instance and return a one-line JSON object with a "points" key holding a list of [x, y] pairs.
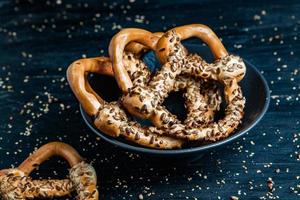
{"points": [[39, 39]]}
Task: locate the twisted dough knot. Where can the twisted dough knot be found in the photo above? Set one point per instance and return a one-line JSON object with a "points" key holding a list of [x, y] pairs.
{"points": [[109, 117], [143, 101], [144, 98], [17, 184], [226, 69]]}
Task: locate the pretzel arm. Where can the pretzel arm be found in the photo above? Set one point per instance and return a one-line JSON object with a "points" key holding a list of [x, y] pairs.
{"points": [[49, 188], [140, 75], [139, 49], [201, 31], [48, 150], [84, 178], [225, 66], [224, 127], [116, 49], [16, 185], [77, 81]]}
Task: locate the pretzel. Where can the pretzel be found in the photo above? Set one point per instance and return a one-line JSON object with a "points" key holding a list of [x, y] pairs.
{"points": [[227, 69], [138, 79], [17, 184], [208, 100], [143, 101], [108, 116], [90, 100]]}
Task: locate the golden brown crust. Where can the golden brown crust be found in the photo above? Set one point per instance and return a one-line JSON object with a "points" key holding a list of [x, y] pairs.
{"points": [[116, 49], [91, 103], [47, 151], [203, 32], [139, 49]]}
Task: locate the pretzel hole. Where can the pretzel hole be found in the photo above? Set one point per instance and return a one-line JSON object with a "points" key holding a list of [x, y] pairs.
{"points": [[105, 86], [220, 114], [175, 104], [143, 122], [151, 61], [54, 168], [175, 101], [194, 44]]}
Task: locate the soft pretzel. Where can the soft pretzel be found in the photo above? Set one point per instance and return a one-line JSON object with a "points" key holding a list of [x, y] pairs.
{"points": [[108, 116], [227, 69], [209, 99], [199, 95], [90, 100], [17, 184], [139, 77], [143, 101]]}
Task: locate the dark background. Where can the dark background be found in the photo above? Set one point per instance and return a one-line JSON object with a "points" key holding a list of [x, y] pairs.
{"points": [[39, 39]]}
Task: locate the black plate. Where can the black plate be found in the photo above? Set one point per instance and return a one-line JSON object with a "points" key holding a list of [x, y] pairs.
{"points": [[255, 90]]}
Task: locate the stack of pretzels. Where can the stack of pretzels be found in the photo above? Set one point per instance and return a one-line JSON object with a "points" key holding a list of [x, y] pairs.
{"points": [[144, 92]]}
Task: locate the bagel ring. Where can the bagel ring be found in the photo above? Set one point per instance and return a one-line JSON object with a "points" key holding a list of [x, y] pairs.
{"points": [[17, 184]]}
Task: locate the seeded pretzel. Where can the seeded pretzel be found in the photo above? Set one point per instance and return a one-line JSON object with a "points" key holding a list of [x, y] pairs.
{"points": [[199, 96], [143, 101], [108, 116], [139, 76], [227, 70], [17, 184], [89, 99]]}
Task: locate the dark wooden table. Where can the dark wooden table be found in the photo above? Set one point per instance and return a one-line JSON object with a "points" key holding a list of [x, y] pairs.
{"points": [[39, 39]]}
